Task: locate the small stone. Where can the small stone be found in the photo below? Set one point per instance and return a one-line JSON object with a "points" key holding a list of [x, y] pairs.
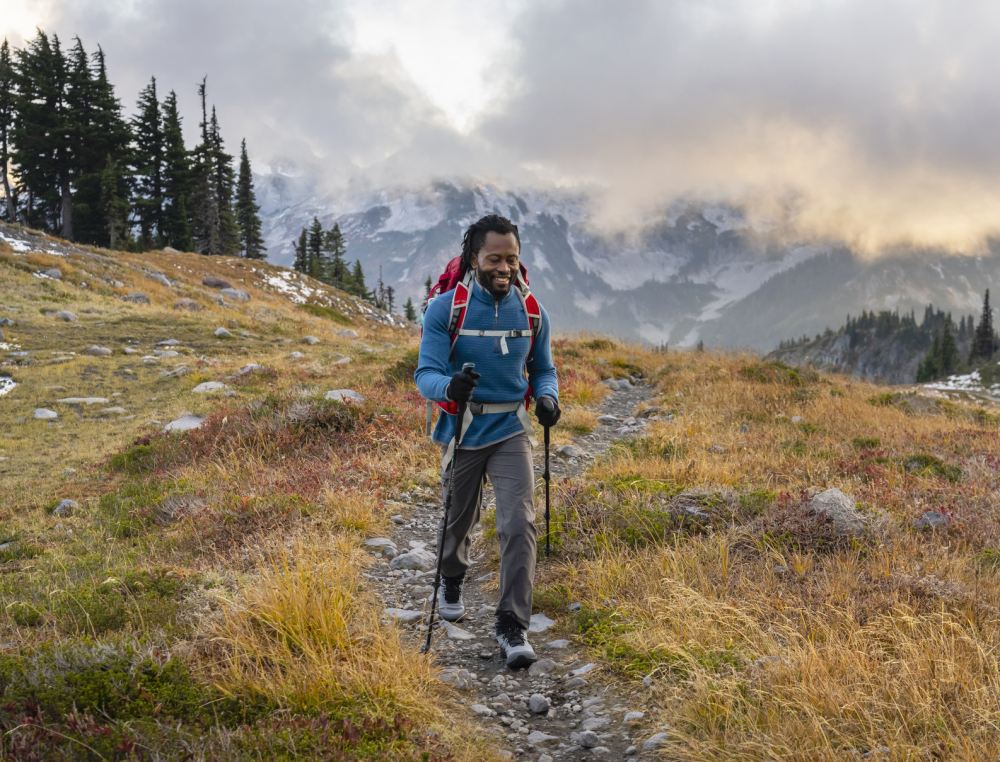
{"points": [[53, 272], [236, 294], [932, 520], [482, 710], [575, 682], [545, 758], [383, 545], [569, 451], [65, 508], [397, 518], [167, 353], [631, 751], [222, 333], [348, 333], [840, 510], [633, 717], [538, 738], [180, 370], [186, 422], [557, 645], [797, 419], [189, 305], [213, 282], [538, 704], [406, 616], [455, 632], [595, 723], [580, 671], [84, 401], [96, 351], [310, 340], [160, 278], [588, 739], [459, 678], [296, 355], [654, 742], [539, 623], [116, 410], [207, 387], [168, 343], [136, 297], [66, 315], [44, 414], [608, 419], [541, 667], [344, 395]]}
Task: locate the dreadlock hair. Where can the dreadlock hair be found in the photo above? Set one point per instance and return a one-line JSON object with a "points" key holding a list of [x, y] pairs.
{"points": [[475, 236]]}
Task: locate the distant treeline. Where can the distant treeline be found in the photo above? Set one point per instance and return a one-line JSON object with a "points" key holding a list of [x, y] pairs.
{"points": [[949, 348], [73, 165]]}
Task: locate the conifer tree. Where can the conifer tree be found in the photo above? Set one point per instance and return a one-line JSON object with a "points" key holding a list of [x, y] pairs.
{"points": [[358, 286], [7, 95], [948, 359], [334, 250], [148, 165], [301, 263], [982, 340], [248, 211], [409, 311], [176, 179], [205, 220], [315, 258], [224, 186], [428, 285], [85, 219], [108, 143], [114, 204]]}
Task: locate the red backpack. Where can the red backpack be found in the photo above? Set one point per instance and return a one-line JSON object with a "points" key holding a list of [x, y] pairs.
{"points": [[452, 279]]}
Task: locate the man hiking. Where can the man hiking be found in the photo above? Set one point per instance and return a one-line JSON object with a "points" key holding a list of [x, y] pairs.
{"points": [[510, 349]]}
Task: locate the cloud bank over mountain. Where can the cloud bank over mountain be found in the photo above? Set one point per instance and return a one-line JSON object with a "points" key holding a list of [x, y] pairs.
{"points": [[870, 123]]}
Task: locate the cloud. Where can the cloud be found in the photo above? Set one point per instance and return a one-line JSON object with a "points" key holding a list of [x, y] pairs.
{"points": [[877, 123]]}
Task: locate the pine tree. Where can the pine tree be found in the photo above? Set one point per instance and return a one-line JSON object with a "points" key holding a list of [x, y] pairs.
{"points": [[315, 258], [982, 340], [334, 250], [301, 263], [86, 218], [114, 204], [428, 285], [7, 96], [358, 287], [948, 358], [108, 142], [248, 211], [409, 311], [176, 179], [390, 299], [148, 166], [224, 186], [205, 222]]}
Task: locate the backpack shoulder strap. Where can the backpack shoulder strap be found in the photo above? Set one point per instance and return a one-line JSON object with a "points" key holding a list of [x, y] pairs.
{"points": [[459, 307], [532, 309]]}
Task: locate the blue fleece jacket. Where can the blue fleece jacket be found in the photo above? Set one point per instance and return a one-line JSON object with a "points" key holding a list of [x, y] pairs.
{"points": [[502, 377]]}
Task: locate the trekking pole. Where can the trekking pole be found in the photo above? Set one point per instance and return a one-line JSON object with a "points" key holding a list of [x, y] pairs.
{"points": [[460, 414], [545, 475]]}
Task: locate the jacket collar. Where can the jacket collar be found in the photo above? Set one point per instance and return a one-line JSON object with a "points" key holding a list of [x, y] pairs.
{"points": [[484, 296]]}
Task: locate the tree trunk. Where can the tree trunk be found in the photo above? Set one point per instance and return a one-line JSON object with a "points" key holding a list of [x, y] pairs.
{"points": [[67, 213]]}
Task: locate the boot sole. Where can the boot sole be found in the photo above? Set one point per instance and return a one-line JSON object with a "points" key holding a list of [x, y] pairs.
{"points": [[522, 661]]}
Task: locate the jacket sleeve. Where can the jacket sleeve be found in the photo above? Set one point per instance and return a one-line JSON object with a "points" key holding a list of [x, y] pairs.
{"points": [[432, 374], [541, 370]]}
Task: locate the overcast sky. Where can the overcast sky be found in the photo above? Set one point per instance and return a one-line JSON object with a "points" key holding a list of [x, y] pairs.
{"points": [[876, 122]]}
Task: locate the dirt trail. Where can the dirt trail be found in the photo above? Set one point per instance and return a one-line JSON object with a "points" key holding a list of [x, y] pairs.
{"points": [[585, 717]]}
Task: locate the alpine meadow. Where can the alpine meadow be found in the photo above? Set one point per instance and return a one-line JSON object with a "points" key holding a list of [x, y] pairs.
{"points": [[551, 451]]}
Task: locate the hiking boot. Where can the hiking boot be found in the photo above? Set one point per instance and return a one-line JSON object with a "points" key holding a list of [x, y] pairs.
{"points": [[450, 604], [513, 642]]}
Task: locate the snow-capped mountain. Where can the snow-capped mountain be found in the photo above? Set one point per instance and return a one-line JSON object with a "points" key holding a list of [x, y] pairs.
{"points": [[696, 272]]}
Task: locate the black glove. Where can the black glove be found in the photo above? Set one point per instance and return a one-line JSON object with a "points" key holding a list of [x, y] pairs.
{"points": [[547, 410], [461, 386]]}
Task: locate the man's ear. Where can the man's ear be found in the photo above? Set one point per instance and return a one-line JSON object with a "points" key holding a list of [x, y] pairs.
{"points": [[475, 261]]}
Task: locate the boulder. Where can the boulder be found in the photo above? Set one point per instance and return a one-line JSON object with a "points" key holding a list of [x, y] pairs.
{"points": [[310, 340], [186, 422], [344, 395], [932, 520], [84, 401], [840, 510], [213, 282], [538, 704], [66, 315], [65, 508], [44, 414], [348, 333], [96, 351], [207, 387], [417, 559], [236, 294], [222, 333], [53, 272]]}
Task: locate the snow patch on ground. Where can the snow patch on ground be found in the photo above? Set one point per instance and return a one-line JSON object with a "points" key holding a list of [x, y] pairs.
{"points": [[7, 385], [288, 283], [8, 347], [967, 382], [16, 244]]}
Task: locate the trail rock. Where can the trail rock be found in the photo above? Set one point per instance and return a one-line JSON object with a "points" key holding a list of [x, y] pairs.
{"points": [[96, 351], [65, 508], [482, 710], [186, 422], [539, 623], [236, 294], [213, 282], [654, 742], [633, 717], [569, 451], [538, 738], [595, 723], [588, 739], [581, 671], [344, 395], [541, 667], [841, 512], [455, 632], [538, 704], [44, 414], [406, 616], [383, 545], [417, 558], [558, 645], [462, 679]]}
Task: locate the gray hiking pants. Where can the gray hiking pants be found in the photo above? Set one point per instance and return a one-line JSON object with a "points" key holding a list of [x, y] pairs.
{"points": [[508, 466]]}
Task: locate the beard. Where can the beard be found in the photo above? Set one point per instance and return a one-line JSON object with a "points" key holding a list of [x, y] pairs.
{"points": [[487, 281]]}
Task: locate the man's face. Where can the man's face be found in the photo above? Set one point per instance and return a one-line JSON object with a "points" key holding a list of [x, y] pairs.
{"points": [[496, 263]]}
